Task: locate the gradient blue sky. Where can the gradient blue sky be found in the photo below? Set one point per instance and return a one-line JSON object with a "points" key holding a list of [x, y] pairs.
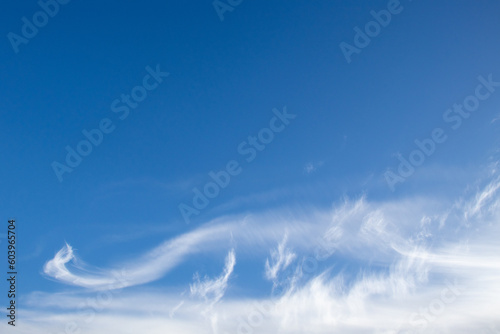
{"points": [[225, 79]]}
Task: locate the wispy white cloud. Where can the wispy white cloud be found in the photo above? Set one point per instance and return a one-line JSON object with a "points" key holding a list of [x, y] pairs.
{"points": [[160, 260], [57, 269], [311, 167], [420, 264], [212, 290], [149, 267], [281, 258], [482, 198]]}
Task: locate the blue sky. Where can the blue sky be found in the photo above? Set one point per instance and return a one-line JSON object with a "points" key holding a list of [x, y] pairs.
{"points": [[322, 176]]}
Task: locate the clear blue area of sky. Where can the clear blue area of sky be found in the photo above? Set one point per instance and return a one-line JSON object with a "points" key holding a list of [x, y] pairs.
{"points": [[225, 79]]}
